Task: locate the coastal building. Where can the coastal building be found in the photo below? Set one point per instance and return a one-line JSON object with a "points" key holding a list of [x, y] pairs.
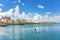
{"points": [[0, 20], [6, 19]]}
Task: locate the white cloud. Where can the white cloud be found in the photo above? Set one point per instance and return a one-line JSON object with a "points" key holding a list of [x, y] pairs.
{"points": [[17, 8], [23, 4], [14, 1], [0, 10], [56, 18], [17, 12], [11, 12], [36, 17], [1, 4], [40, 6], [48, 13], [8, 13], [19, 1], [46, 16], [23, 15]]}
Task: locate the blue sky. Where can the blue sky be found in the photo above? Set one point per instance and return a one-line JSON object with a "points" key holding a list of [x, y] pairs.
{"points": [[31, 5], [41, 7]]}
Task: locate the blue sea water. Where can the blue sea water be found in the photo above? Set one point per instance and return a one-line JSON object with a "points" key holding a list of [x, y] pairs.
{"points": [[27, 32]]}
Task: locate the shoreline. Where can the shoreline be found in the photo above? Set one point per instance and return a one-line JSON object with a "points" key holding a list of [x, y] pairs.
{"points": [[27, 23]]}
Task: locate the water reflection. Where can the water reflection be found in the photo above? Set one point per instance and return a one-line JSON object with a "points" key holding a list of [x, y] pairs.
{"points": [[27, 32]]}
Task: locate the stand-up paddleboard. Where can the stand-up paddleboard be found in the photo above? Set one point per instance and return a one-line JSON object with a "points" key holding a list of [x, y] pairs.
{"points": [[36, 28]]}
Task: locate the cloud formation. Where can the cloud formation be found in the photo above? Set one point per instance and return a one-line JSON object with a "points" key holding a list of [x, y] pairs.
{"points": [[36, 17], [8, 13], [19, 1], [0, 9], [23, 4], [48, 13], [1, 5], [40, 6]]}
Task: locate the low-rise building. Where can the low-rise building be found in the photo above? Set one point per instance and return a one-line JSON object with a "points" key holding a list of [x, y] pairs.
{"points": [[6, 19]]}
